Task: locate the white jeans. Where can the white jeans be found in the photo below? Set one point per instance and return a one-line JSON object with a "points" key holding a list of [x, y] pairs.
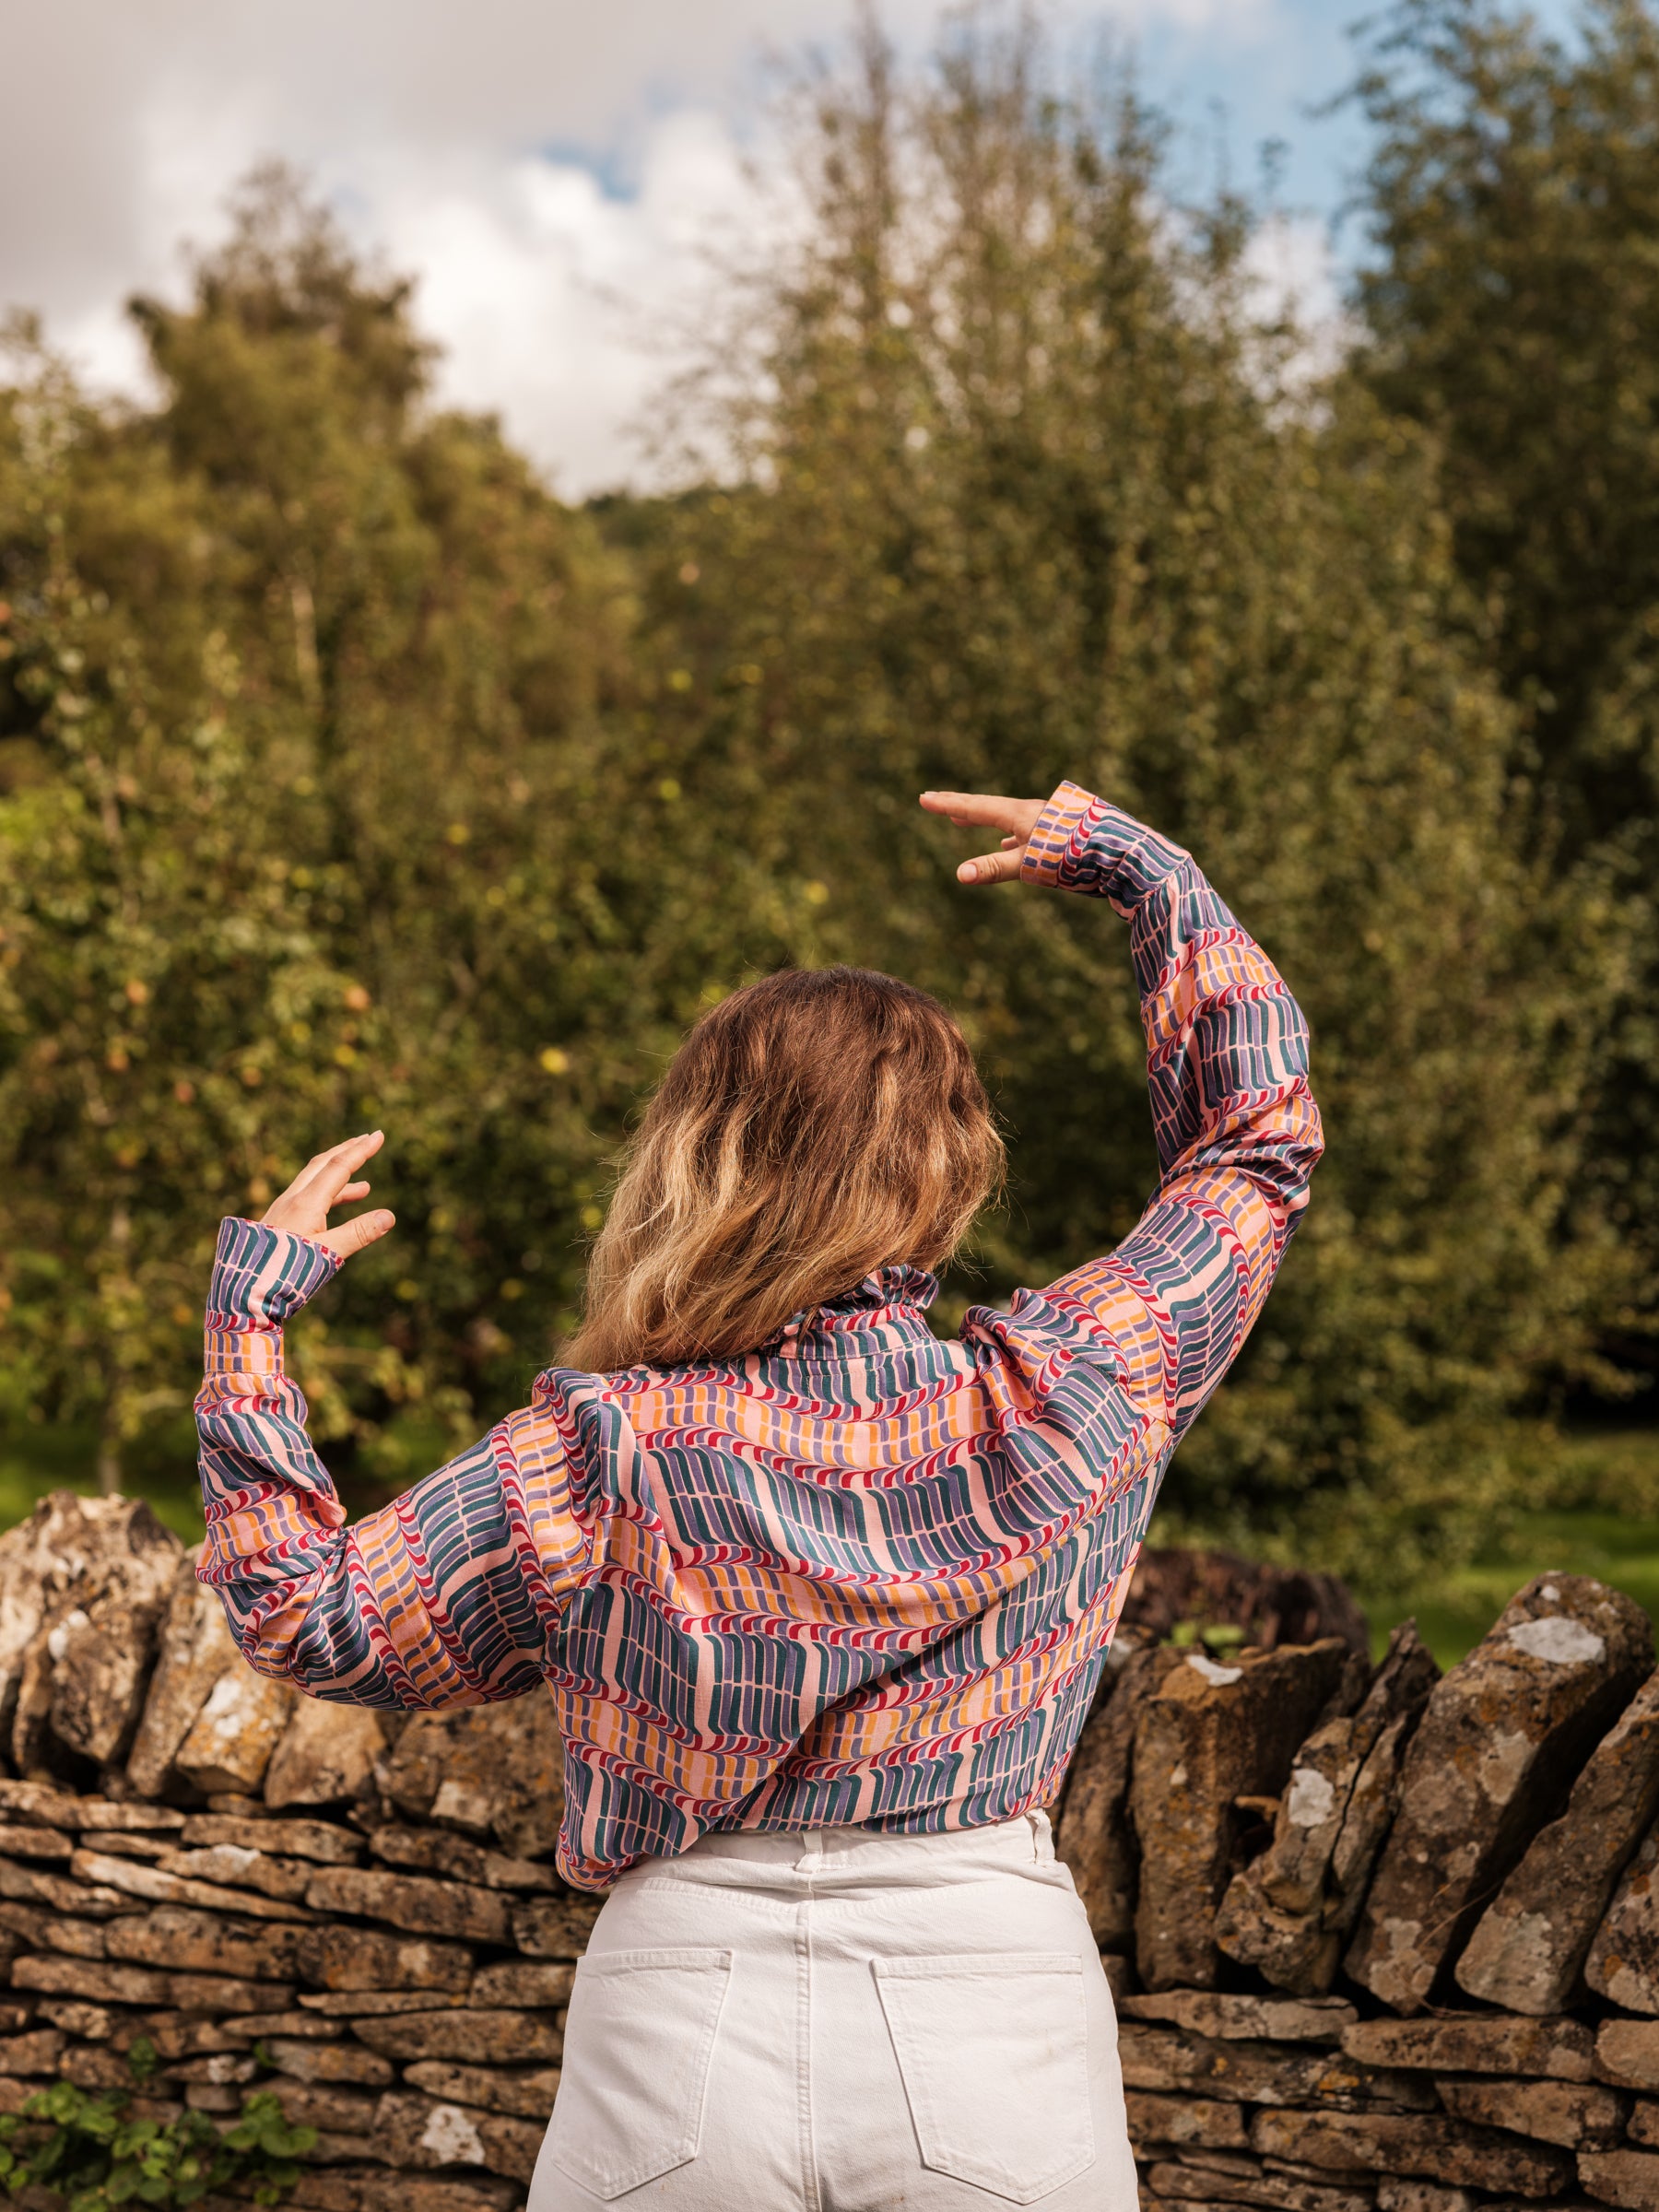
{"points": [[842, 2023]]}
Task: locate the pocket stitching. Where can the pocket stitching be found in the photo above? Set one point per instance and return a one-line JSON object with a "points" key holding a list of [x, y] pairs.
{"points": [[985, 1966], [607, 2181]]}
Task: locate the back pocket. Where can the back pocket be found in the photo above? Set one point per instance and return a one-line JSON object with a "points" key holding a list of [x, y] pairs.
{"points": [[638, 2042], [993, 2050]]}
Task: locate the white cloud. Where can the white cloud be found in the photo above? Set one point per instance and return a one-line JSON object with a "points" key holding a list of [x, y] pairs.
{"points": [[469, 144], [557, 304]]}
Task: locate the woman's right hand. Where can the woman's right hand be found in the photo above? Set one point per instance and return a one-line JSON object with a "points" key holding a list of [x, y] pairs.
{"points": [[1015, 818]]}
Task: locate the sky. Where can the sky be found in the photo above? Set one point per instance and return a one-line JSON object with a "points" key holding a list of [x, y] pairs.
{"points": [[549, 170]]}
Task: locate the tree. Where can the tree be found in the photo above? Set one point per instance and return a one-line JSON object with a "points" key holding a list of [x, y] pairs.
{"points": [[1513, 310], [1030, 490], [311, 819]]}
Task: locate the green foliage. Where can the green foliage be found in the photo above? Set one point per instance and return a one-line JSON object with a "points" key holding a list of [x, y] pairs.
{"points": [[1037, 494], [1512, 309], [94, 2153]]}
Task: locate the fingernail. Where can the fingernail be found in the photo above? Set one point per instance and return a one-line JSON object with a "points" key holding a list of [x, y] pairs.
{"points": [[967, 871]]}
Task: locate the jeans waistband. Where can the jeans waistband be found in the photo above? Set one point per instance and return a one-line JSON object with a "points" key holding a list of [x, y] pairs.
{"points": [[862, 1855]]}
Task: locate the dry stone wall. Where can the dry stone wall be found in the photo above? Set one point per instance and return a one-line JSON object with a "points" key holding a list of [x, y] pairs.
{"points": [[1380, 1940]]}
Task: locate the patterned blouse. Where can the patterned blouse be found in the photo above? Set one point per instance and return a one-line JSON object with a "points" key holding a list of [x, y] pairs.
{"points": [[860, 1576]]}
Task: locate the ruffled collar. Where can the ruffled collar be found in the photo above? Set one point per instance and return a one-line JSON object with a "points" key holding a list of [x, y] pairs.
{"points": [[885, 1311]]}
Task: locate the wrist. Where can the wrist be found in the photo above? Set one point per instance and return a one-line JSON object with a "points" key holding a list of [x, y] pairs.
{"points": [[261, 1275]]}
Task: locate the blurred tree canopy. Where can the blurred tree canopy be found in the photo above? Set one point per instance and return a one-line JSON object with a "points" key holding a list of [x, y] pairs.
{"points": [[1512, 306], [347, 779]]}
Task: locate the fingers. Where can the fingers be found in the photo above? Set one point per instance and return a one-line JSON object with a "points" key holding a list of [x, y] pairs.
{"points": [[324, 1182], [352, 1236], [1015, 815], [994, 867], [328, 1179]]}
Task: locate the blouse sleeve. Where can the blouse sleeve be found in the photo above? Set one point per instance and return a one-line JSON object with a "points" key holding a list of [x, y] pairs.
{"points": [[447, 1596], [1237, 1129]]}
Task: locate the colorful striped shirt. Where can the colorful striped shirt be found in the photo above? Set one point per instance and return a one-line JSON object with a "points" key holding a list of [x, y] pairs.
{"points": [[861, 1576]]}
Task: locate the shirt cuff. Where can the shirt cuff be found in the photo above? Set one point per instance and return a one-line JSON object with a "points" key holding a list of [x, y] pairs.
{"points": [[1063, 822], [263, 1275]]}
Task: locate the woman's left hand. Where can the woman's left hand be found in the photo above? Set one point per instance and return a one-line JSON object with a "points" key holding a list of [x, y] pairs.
{"points": [[977, 809], [324, 1183]]}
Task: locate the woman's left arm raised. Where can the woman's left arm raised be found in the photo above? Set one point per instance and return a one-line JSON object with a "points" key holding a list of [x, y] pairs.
{"points": [[444, 1597]]}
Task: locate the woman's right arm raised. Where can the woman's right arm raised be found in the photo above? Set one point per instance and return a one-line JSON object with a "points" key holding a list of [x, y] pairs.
{"points": [[1237, 1130], [445, 1596]]}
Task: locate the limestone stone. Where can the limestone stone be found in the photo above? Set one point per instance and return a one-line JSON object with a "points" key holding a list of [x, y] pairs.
{"points": [[97, 1978], [479, 2037], [1627, 2054], [554, 1927], [202, 1943], [36, 2053], [233, 1867], [1252, 2184], [341, 2110], [1576, 2114], [151, 1847], [55, 1808], [487, 1770], [96, 2067], [1503, 1737], [306, 2060], [345, 2003], [34, 1842], [177, 2034], [1529, 1947], [526, 2093], [38, 1885], [1277, 2019], [1202, 2120], [25, 1927], [150, 1883], [318, 1840], [232, 1737], [377, 2191], [222, 2068], [324, 1756], [1290, 1913], [313, 2027], [83, 1583], [358, 1959], [1643, 2123], [1444, 2150], [1629, 2178], [517, 1983], [1207, 1736], [437, 1850], [1623, 1964], [1095, 1838], [413, 1902], [1404, 2192], [1478, 2043], [332, 2149], [414, 2131], [86, 2023], [1169, 2059], [196, 1649]]}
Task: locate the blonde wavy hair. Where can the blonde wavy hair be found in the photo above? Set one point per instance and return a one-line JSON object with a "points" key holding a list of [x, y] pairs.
{"points": [[812, 1127]]}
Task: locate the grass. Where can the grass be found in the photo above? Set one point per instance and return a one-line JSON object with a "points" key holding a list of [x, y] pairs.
{"points": [[1454, 1611], [1593, 1510]]}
